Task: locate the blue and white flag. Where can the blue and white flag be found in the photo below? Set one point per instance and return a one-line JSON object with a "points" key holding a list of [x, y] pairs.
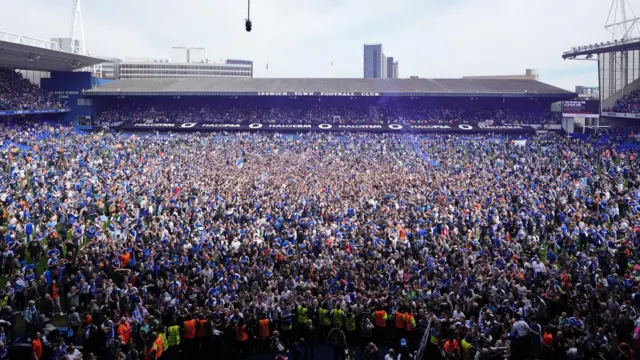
{"points": [[424, 341], [240, 163]]}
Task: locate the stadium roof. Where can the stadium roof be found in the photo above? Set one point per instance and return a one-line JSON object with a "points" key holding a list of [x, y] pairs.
{"points": [[26, 53], [602, 48], [328, 87]]}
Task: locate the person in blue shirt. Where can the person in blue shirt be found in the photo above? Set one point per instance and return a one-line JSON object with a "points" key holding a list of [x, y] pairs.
{"points": [[28, 230]]}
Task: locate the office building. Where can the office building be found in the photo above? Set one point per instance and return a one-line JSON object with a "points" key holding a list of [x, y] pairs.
{"points": [[392, 68], [373, 61], [183, 63], [163, 69], [588, 92], [110, 69], [376, 64]]}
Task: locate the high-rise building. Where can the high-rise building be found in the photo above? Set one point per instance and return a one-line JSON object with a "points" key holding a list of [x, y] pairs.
{"points": [[396, 70], [376, 64], [373, 61], [392, 68]]}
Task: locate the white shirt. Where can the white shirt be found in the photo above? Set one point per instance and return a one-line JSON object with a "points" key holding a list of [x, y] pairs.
{"points": [[75, 356], [521, 327]]}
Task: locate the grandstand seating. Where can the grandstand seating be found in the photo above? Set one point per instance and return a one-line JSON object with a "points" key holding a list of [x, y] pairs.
{"points": [[354, 112], [17, 93], [629, 103]]}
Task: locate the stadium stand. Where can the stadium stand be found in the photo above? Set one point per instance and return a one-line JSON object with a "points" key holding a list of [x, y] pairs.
{"points": [[355, 113], [629, 103], [331, 101], [17, 93]]}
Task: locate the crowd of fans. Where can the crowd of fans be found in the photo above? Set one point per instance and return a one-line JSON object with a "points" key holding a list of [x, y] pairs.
{"points": [[17, 93], [185, 246], [629, 103], [319, 114]]}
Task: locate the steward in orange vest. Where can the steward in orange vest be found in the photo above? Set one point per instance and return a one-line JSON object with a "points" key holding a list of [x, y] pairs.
{"points": [[189, 328], [380, 318], [263, 328], [400, 320], [124, 331], [201, 327], [241, 332], [155, 351]]}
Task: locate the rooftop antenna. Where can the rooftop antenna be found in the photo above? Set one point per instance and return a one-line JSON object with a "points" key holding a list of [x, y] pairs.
{"points": [[622, 23]]}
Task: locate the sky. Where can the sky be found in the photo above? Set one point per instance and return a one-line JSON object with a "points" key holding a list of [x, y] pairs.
{"points": [[302, 38]]}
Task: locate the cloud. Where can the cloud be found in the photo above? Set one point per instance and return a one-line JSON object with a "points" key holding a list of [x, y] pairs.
{"points": [[429, 38]]}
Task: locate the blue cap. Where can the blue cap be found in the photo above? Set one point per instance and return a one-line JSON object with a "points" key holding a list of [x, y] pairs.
{"points": [[403, 342]]}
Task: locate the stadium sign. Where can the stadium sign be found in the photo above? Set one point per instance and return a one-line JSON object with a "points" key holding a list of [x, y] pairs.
{"points": [[32, 112], [380, 128], [352, 93], [622, 115]]}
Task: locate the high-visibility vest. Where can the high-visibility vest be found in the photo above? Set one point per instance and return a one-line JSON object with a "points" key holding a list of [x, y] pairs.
{"points": [[165, 343], [189, 329], [324, 318], [451, 346], [547, 339], [433, 337], [124, 330], [337, 316], [466, 350], [350, 322], [241, 332], [173, 335], [158, 347], [380, 318], [410, 322], [399, 320], [263, 329], [201, 331], [303, 317]]}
